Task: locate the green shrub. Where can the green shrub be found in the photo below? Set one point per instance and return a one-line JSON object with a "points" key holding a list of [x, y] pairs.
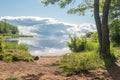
{"points": [[11, 45], [2, 48], [91, 46], [94, 37], [115, 51], [20, 55], [2, 45], [72, 63], [12, 51], [76, 44], [89, 34], [115, 32], [8, 58], [2, 56], [16, 57], [28, 59], [23, 47]]}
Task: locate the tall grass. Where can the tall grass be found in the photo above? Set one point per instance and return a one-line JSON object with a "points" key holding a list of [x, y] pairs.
{"points": [[16, 52], [14, 45], [115, 51], [2, 48], [85, 55], [83, 61], [90, 46]]}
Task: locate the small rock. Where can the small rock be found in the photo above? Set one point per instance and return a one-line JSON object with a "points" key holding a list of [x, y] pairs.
{"points": [[36, 58]]}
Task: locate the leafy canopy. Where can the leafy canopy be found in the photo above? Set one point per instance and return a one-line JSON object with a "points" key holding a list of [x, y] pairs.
{"points": [[6, 28], [86, 5]]}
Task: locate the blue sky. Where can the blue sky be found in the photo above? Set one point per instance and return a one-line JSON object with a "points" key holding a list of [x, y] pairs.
{"points": [[35, 8]]}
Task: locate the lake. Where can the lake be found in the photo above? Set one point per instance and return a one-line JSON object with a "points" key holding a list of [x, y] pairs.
{"points": [[45, 46], [50, 35]]}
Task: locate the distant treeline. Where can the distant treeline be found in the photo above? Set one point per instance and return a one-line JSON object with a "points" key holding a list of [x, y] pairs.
{"points": [[7, 29]]}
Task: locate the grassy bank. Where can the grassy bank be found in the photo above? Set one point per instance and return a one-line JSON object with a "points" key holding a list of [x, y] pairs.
{"points": [[85, 56], [12, 51]]}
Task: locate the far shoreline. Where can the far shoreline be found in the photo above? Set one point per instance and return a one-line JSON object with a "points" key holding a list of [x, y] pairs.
{"points": [[16, 36]]}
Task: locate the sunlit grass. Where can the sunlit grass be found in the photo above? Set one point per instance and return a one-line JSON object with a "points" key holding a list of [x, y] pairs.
{"points": [[83, 61]]}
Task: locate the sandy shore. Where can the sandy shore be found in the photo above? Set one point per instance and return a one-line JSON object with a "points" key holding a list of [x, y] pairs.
{"points": [[43, 69]]}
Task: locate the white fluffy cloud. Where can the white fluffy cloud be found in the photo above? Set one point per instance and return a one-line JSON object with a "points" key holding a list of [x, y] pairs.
{"points": [[35, 18]]}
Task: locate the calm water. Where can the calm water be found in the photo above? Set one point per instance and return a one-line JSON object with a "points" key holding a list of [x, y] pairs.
{"points": [[45, 46], [50, 35]]}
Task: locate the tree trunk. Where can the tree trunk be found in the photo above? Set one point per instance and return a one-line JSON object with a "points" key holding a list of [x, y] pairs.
{"points": [[98, 22], [105, 29]]}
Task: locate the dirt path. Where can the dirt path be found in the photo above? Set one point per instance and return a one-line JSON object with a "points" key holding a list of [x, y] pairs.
{"points": [[43, 69]]}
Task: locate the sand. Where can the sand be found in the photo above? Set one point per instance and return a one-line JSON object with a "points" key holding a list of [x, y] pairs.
{"points": [[43, 69]]}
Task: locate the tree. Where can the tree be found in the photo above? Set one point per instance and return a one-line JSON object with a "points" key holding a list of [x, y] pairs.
{"points": [[101, 22], [115, 10], [105, 29], [7, 29], [98, 22]]}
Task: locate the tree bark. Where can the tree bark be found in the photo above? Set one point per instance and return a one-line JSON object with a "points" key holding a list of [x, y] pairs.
{"points": [[105, 29], [98, 23]]}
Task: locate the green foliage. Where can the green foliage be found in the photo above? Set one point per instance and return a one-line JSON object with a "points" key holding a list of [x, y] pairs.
{"points": [[1, 56], [23, 47], [16, 52], [73, 63], [62, 3], [115, 10], [80, 9], [87, 5], [2, 45], [92, 42], [115, 32], [14, 45], [18, 55], [90, 46], [115, 51], [8, 58], [7, 29], [12, 51], [89, 34], [22, 55], [11, 45], [76, 44], [94, 37], [2, 48]]}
